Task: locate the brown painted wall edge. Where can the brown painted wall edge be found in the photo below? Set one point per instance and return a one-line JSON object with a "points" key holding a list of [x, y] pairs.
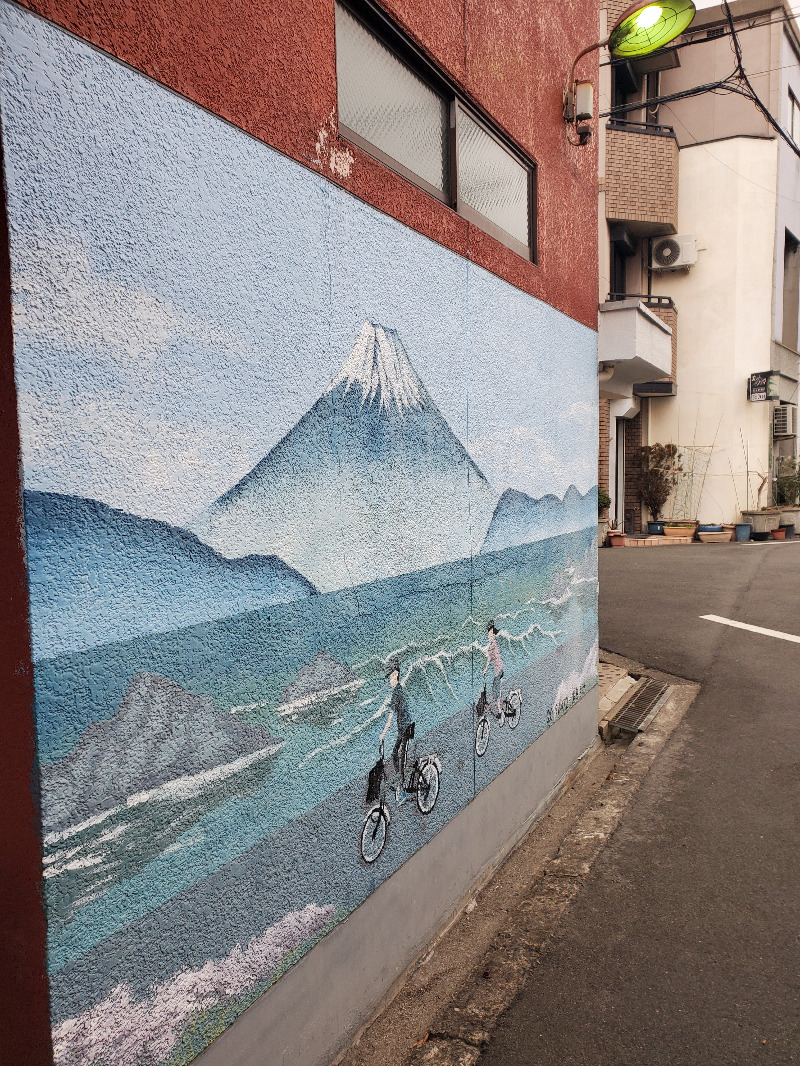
{"points": [[24, 1003]]}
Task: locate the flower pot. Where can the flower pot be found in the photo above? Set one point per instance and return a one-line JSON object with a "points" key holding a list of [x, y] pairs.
{"points": [[655, 529], [779, 533], [762, 521], [709, 529], [742, 531], [679, 529], [789, 531], [616, 539], [720, 536]]}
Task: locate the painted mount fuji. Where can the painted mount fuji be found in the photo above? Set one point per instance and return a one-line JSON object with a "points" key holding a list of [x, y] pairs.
{"points": [[370, 483]]}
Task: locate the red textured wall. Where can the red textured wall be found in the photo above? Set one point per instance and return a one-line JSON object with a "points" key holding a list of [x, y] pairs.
{"points": [[24, 1007], [270, 69]]}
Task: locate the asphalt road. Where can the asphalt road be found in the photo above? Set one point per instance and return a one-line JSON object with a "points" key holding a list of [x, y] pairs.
{"points": [[684, 946]]}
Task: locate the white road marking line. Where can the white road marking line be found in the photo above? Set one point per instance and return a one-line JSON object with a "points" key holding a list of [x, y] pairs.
{"points": [[753, 629]]}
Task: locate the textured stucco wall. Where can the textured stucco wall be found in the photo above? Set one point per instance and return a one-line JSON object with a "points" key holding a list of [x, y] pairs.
{"points": [[728, 194], [284, 458]]}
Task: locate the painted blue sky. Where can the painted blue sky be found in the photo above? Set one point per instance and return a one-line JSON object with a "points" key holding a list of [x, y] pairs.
{"points": [[183, 294]]}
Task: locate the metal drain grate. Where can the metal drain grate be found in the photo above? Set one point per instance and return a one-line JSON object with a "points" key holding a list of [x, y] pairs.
{"points": [[639, 711]]}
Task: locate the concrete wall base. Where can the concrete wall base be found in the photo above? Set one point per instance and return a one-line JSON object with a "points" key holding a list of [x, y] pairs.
{"points": [[320, 1005]]}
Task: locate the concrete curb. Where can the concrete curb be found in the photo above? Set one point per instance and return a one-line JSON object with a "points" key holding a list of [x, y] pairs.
{"points": [[465, 1025]]}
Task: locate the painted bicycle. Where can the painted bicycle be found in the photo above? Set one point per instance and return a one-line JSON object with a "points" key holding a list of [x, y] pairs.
{"points": [[507, 709], [421, 782]]}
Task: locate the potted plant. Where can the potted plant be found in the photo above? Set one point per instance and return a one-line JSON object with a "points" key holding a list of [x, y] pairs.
{"points": [[787, 483], [680, 527], [661, 464], [762, 520], [616, 537], [787, 493], [603, 504]]}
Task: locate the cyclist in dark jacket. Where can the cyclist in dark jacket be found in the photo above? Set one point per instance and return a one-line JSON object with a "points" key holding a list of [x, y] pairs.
{"points": [[399, 710]]}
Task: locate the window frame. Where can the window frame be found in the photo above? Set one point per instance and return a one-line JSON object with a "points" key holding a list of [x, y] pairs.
{"points": [[378, 23], [794, 114]]}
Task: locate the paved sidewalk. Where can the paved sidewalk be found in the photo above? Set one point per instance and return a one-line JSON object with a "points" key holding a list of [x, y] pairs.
{"points": [[683, 948], [444, 1010]]}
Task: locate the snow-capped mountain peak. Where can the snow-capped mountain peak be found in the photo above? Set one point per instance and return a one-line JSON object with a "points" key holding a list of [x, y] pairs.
{"points": [[379, 366]]}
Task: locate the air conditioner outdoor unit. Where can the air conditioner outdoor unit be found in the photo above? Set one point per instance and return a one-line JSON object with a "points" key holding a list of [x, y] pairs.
{"points": [[784, 420], [672, 253]]}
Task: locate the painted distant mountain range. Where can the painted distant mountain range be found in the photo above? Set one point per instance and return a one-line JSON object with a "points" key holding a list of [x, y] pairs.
{"points": [[370, 483], [99, 575], [521, 519]]}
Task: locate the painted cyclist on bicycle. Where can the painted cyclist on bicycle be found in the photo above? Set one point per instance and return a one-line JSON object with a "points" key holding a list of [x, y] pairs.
{"points": [[496, 660], [399, 710]]}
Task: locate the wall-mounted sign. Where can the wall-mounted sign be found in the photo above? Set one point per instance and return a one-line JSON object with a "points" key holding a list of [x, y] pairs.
{"points": [[762, 386]]}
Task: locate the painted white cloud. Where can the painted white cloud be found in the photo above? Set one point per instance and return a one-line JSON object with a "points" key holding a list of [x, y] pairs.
{"points": [[58, 297], [125, 423], [521, 458], [585, 414], [172, 470]]}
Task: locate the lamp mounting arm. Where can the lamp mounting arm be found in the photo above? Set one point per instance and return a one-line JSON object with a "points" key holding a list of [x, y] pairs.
{"points": [[569, 87]]}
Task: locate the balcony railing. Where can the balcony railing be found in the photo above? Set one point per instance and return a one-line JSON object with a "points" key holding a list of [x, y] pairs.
{"points": [[643, 298], [654, 128]]}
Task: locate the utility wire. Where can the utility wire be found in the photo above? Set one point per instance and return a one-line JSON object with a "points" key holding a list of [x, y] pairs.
{"points": [[741, 73], [727, 84], [624, 109]]}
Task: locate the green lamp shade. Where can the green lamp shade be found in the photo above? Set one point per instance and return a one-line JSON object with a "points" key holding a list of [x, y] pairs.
{"points": [[644, 28]]}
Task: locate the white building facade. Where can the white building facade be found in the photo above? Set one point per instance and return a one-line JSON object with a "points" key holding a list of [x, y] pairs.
{"points": [[733, 291]]}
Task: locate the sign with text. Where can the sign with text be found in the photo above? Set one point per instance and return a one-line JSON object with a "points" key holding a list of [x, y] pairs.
{"points": [[762, 386]]}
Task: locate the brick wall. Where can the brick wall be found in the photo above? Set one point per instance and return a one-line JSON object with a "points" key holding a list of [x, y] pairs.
{"points": [[642, 179], [605, 430], [633, 471], [669, 316], [615, 9]]}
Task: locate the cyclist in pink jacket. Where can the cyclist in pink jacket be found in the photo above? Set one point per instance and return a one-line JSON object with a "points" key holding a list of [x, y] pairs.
{"points": [[496, 659]]}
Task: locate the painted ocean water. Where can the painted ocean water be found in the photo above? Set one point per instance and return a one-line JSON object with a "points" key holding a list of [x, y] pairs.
{"points": [[106, 870]]}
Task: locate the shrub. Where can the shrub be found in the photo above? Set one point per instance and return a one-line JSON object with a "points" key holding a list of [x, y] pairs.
{"points": [[661, 465]]}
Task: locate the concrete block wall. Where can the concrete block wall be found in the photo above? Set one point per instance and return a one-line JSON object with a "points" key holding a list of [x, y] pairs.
{"points": [[615, 9]]}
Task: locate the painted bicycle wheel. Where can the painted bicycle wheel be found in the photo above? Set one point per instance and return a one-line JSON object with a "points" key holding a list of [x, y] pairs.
{"points": [[482, 735], [374, 833], [513, 708], [427, 787]]}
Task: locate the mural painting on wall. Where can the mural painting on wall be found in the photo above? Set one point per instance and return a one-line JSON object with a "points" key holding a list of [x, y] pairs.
{"points": [[310, 522]]}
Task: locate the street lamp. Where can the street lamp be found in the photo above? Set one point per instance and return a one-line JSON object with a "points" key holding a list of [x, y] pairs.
{"points": [[641, 29]]}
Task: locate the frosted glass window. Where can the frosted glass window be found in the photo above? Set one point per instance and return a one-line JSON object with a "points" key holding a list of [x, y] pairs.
{"points": [[491, 180], [383, 101]]}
